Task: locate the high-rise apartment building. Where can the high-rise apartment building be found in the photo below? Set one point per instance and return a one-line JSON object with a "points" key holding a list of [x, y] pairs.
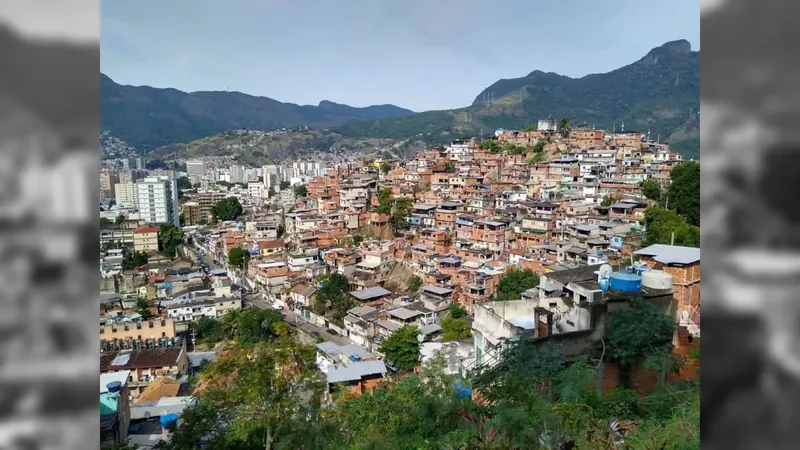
{"points": [[158, 200], [195, 170], [130, 176], [108, 178], [191, 213], [207, 199], [126, 194], [255, 190], [237, 174]]}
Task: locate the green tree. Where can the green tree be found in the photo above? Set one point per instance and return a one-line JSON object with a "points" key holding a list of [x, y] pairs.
{"points": [[119, 220], [209, 330], [539, 146], [564, 127], [414, 283], [184, 183], [514, 283], [402, 348], [202, 221], [237, 257], [607, 201], [228, 208], [664, 226], [455, 329], [132, 260], [271, 192], [262, 397], [683, 194], [639, 331], [386, 167], [651, 189], [182, 220], [333, 298], [105, 223], [397, 208], [456, 311], [301, 190], [143, 308], [490, 144], [449, 168], [285, 185], [170, 238]]}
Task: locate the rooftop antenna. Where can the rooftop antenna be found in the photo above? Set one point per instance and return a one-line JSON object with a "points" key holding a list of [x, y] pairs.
{"points": [[623, 127]]}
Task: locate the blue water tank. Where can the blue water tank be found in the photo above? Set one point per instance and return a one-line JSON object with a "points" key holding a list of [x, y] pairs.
{"points": [[114, 387], [625, 282], [604, 284], [168, 420], [463, 391]]}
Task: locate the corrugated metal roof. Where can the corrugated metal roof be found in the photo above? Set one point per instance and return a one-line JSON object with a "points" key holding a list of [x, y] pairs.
{"points": [[355, 371], [437, 289], [430, 328], [671, 254], [370, 293], [404, 314]]}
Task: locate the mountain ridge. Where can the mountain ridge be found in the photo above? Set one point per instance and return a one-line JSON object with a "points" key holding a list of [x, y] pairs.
{"points": [[659, 92], [148, 117]]}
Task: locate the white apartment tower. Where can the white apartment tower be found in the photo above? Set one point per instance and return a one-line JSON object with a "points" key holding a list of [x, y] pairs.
{"points": [[237, 174], [126, 194], [158, 200]]}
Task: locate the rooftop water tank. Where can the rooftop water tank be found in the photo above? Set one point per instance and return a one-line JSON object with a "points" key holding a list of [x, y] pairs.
{"points": [[114, 387], [625, 282], [657, 279], [168, 420]]}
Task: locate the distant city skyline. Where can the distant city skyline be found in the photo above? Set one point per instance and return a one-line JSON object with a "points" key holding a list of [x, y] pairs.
{"points": [[416, 54]]}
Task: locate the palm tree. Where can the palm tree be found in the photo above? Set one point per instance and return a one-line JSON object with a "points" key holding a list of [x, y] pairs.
{"points": [[230, 323], [564, 127]]}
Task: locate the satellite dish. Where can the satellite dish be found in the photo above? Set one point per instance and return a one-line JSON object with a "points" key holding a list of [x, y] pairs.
{"points": [[604, 271]]}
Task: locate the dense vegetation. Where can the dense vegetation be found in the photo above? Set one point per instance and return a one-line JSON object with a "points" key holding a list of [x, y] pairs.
{"points": [[333, 298], [402, 348], [148, 118], [247, 326], [237, 257], [269, 394], [396, 207], [133, 259], [514, 283], [682, 197], [228, 208]]}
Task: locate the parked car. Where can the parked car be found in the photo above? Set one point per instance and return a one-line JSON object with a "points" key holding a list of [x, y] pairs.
{"points": [[331, 331], [316, 334]]}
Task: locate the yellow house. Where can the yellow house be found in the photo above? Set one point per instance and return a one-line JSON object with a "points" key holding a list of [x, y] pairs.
{"points": [[145, 239]]}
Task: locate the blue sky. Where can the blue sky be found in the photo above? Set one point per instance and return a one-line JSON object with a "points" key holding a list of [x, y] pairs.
{"points": [[418, 54]]}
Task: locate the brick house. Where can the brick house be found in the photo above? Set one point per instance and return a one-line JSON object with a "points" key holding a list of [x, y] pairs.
{"points": [[683, 263]]}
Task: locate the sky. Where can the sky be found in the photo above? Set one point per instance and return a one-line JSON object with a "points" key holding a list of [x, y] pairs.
{"points": [[66, 20], [417, 54]]}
